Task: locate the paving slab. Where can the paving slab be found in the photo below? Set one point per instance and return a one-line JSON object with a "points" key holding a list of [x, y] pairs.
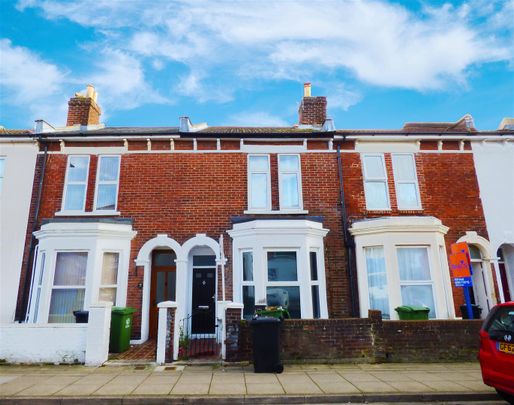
{"points": [[374, 386], [261, 378], [333, 383], [298, 384], [264, 388], [182, 388]]}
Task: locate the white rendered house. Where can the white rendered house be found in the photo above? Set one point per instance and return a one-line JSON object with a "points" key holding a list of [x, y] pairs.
{"points": [[18, 153]]}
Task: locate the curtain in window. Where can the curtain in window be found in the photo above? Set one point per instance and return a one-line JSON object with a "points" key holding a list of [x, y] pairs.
{"points": [[377, 280], [69, 286], [413, 264], [414, 268]]}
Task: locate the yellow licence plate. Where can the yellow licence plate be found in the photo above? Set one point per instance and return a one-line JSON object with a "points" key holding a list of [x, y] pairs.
{"points": [[506, 347]]}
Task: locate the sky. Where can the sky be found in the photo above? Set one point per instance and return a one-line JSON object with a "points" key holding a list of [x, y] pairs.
{"points": [[380, 63]]}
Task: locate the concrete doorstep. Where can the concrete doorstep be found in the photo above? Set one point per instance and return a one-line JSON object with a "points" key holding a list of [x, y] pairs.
{"points": [[308, 383]]}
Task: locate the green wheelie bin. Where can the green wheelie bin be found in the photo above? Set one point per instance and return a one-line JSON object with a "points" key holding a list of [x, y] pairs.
{"points": [[412, 313], [121, 329]]}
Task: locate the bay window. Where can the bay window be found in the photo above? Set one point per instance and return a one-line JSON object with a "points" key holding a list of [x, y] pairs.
{"points": [[406, 181], [79, 263], [375, 182], [402, 261], [107, 183], [75, 186], [280, 263]]}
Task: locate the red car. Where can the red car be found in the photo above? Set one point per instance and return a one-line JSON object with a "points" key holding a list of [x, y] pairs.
{"points": [[497, 350]]}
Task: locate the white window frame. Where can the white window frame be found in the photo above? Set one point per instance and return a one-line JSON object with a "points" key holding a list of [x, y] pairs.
{"points": [[67, 287], [315, 282], [37, 286], [387, 276], [280, 235], [116, 286], [67, 183], [429, 282], [107, 182], [268, 185], [397, 182], [298, 174], [297, 283], [368, 179], [246, 283], [403, 231]]}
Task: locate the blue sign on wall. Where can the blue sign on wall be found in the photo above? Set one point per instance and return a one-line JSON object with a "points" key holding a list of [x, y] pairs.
{"points": [[463, 282]]}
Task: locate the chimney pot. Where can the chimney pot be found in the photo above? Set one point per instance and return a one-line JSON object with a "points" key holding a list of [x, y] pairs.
{"points": [[307, 89]]}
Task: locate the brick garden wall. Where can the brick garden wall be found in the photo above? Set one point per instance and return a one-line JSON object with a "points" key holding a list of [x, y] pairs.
{"points": [[366, 340]]}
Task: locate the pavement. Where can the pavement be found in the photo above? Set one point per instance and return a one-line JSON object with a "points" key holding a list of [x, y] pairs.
{"points": [[307, 383]]}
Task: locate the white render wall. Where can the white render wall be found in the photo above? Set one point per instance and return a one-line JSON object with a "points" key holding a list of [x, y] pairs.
{"points": [[494, 164], [59, 342], [43, 343], [20, 160]]}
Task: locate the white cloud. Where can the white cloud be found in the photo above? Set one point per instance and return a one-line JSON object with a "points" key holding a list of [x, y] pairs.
{"points": [[224, 45], [380, 43], [120, 81], [27, 80], [340, 97], [257, 119]]}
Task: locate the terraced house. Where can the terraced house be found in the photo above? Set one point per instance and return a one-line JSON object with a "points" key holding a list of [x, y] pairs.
{"points": [[214, 221]]}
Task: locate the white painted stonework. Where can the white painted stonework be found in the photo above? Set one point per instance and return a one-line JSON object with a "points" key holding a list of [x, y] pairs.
{"points": [[394, 232], [494, 164], [95, 238], [15, 196], [262, 236]]}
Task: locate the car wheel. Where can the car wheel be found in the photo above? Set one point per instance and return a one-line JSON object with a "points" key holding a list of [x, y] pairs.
{"points": [[507, 397]]}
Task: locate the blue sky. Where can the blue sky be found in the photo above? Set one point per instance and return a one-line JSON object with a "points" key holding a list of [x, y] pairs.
{"points": [[380, 63]]}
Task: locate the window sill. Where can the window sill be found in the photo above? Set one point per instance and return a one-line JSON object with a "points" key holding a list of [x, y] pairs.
{"points": [[87, 214], [277, 212]]}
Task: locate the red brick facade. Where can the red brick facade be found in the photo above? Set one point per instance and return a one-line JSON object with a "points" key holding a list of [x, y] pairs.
{"points": [[182, 194]]}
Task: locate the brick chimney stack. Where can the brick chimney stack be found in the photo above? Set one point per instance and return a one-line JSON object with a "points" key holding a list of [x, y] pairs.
{"points": [[83, 109], [312, 110]]}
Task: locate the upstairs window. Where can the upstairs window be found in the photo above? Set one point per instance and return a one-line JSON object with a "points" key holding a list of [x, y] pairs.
{"points": [[375, 182], [406, 181], [289, 182], [259, 184], [107, 183], [76, 183]]}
